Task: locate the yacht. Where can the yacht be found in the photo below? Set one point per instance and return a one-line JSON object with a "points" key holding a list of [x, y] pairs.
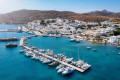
{"points": [[27, 54], [33, 56], [67, 71], [53, 63], [79, 63], [59, 66], [46, 61], [61, 70], [68, 60], [49, 52], [85, 66]]}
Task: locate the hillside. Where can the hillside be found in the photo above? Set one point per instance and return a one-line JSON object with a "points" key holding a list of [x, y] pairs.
{"points": [[24, 16]]}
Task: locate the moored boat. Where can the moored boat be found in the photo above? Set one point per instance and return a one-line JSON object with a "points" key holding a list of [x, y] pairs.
{"points": [[11, 45], [67, 71]]}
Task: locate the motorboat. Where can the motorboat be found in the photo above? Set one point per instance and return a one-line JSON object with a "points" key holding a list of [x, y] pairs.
{"points": [[88, 47], [77, 40], [119, 53], [72, 40], [94, 50]]}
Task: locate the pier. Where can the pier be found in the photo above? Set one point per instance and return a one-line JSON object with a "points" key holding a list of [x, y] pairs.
{"points": [[23, 39], [62, 62], [9, 30], [31, 36]]}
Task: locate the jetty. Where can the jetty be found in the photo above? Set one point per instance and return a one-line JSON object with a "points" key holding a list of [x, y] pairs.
{"points": [[9, 30], [9, 39], [23, 39], [31, 36], [57, 60]]}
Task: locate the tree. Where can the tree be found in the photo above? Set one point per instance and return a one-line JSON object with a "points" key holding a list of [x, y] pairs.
{"points": [[116, 31], [43, 23]]}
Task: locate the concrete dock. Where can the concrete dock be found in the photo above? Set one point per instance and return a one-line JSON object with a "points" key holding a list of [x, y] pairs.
{"points": [[62, 62], [22, 41]]}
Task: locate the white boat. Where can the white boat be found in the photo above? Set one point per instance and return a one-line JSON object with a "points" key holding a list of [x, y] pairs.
{"points": [[49, 52], [59, 66], [94, 50], [33, 56], [77, 40], [61, 70], [73, 39], [85, 66], [119, 53], [57, 36], [88, 47], [67, 71], [28, 54], [21, 51], [68, 60], [79, 63], [46, 61]]}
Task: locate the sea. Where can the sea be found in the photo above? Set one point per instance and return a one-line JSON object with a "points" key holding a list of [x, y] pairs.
{"points": [[105, 61]]}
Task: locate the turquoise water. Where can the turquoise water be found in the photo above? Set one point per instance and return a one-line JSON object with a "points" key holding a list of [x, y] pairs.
{"points": [[16, 66], [9, 26]]}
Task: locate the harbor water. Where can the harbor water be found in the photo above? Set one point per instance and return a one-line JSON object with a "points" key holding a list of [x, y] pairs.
{"points": [[16, 66]]}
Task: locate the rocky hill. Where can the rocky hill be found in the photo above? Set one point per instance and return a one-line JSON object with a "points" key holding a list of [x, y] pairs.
{"points": [[25, 16]]}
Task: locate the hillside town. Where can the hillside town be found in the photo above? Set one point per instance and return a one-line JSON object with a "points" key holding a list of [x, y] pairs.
{"points": [[96, 32]]}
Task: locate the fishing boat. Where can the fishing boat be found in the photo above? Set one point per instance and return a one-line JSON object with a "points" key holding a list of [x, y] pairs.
{"points": [[67, 71], [11, 45]]}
